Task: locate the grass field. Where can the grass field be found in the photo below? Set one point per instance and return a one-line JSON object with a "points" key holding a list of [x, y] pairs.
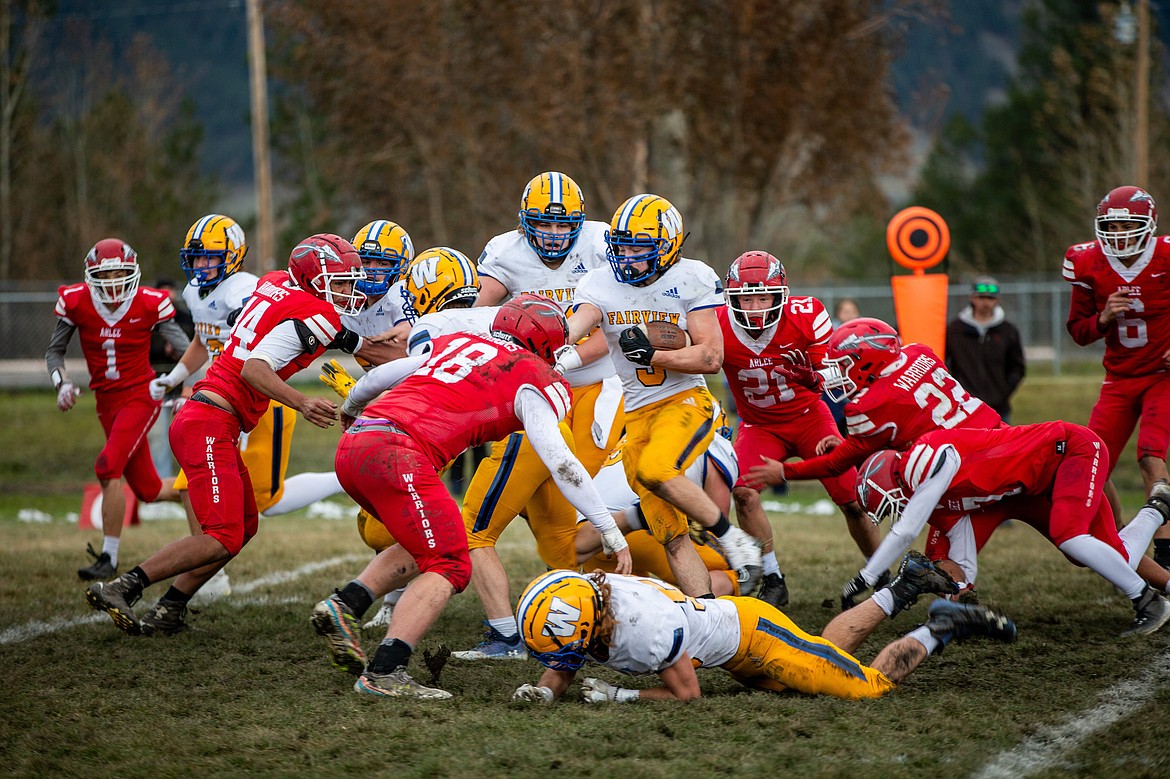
{"points": [[248, 690]]}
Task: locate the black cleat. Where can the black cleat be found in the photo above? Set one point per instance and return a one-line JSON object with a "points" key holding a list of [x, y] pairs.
{"points": [[1151, 611], [165, 618], [116, 598], [103, 568], [950, 620], [774, 590], [917, 575]]}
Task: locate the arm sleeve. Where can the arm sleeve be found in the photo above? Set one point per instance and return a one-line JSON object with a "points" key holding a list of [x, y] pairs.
{"points": [[174, 335], [280, 346], [914, 516], [541, 426], [1084, 323], [55, 354], [850, 452], [380, 379]]}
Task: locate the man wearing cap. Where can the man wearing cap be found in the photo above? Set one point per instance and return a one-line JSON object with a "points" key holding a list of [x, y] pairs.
{"points": [[983, 349]]}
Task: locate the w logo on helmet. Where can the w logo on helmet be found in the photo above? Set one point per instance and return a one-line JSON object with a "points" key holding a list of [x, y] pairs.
{"points": [[561, 619], [425, 271]]}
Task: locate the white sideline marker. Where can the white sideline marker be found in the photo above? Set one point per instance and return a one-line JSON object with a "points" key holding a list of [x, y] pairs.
{"points": [[1050, 747], [20, 633]]}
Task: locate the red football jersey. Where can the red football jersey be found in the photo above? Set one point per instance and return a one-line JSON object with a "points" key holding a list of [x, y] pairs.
{"points": [[1136, 341], [465, 394], [993, 463], [916, 397], [116, 344], [762, 395], [276, 299]]}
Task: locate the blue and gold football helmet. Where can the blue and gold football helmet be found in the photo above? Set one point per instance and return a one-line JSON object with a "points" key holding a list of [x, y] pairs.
{"points": [[552, 198], [439, 277], [218, 238], [378, 242], [653, 229], [557, 615]]}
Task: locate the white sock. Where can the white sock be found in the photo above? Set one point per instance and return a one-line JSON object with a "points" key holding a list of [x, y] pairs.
{"points": [[110, 546], [771, 566], [1106, 562], [922, 635], [505, 626], [884, 600], [393, 597], [303, 490], [1137, 534]]}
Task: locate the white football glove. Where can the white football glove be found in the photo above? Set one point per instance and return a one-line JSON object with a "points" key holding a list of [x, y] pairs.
{"points": [[533, 694], [567, 359], [597, 691], [163, 384], [67, 396], [612, 540]]}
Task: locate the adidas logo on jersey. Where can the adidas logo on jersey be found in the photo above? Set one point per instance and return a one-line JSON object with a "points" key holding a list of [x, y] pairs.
{"points": [[671, 293], [580, 268], [211, 304]]}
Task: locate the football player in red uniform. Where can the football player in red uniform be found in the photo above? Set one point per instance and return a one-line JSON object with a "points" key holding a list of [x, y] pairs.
{"points": [[467, 390], [763, 330], [1121, 292], [965, 469], [292, 318], [114, 317]]}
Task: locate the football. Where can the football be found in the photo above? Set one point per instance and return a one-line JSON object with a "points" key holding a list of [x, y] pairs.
{"points": [[665, 336]]}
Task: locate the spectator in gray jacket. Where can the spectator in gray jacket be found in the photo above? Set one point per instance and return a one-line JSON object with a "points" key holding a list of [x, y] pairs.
{"points": [[983, 349]]}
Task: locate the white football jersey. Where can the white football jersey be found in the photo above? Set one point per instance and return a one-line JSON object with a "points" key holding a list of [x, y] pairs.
{"points": [[689, 285], [454, 320], [210, 311], [657, 623], [510, 259], [392, 309]]}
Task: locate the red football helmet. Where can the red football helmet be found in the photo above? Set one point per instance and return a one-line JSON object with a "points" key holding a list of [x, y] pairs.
{"points": [[319, 261], [857, 352], [536, 323], [755, 273], [1126, 204], [879, 490], [111, 270]]}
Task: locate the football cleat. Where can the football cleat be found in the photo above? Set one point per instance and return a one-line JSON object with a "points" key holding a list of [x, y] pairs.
{"points": [[743, 555], [1151, 611], [774, 590], [103, 567], [338, 625], [495, 646], [165, 618], [397, 684], [116, 599], [382, 618], [1159, 499], [956, 621], [918, 575]]}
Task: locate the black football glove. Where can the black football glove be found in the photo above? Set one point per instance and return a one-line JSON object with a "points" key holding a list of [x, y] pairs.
{"points": [[799, 370], [635, 345]]}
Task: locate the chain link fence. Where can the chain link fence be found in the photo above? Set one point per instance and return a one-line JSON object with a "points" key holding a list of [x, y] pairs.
{"points": [[1038, 309]]}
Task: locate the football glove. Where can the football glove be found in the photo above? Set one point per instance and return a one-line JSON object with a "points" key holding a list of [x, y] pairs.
{"points": [[798, 369], [533, 694], [567, 359], [635, 345], [67, 396], [337, 378], [160, 386], [851, 590], [597, 691]]}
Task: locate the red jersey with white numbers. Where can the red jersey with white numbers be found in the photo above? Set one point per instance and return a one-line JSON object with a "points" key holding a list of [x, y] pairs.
{"points": [[276, 299], [762, 395], [1136, 340], [993, 463], [116, 344], [917, 396], [465, 394]]}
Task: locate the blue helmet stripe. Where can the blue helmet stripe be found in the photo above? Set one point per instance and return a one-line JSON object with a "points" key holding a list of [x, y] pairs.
{"points": [[623, 224], [556, 189], [202, 225]]}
